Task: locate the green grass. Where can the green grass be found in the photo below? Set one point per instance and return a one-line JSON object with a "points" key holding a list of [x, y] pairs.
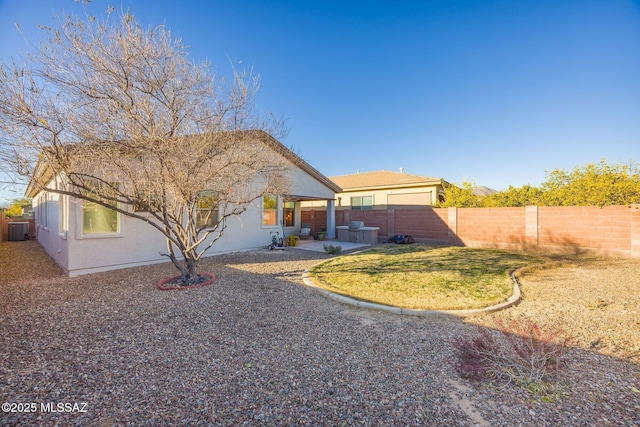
{"points": [[424, 277]]}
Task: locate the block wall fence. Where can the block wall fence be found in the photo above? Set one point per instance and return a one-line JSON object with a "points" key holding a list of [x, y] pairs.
{"points": [[610, 230]]}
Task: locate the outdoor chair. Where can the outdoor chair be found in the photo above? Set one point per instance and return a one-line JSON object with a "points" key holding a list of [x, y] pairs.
{"points": [[305, 231]]}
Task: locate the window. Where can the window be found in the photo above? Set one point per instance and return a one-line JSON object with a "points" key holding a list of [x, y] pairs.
{"points": [[146, 198], [269, 210], [362, 203], [42, 206], [38, 201], [288, 211], [207, 210], [98, 219], [45, 210], [63, 216], [38, 210]]}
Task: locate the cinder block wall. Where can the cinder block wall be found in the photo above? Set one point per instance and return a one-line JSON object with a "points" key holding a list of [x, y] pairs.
{"points": [[372, 218], [315, 218], [428, 224], [608, 230], [500, 226]]}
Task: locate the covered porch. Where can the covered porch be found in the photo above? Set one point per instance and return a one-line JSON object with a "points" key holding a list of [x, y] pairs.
{"points": [[320, 219]]}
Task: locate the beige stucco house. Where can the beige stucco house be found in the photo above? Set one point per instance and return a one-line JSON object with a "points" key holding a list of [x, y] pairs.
{"points": [[61, 222], [384, 189]]}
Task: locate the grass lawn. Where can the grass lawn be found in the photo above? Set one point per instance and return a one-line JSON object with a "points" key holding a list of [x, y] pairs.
{"points": [[424, 277]]}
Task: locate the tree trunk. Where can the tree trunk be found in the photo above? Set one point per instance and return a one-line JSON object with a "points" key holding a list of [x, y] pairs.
{"points": [[189, 272]]}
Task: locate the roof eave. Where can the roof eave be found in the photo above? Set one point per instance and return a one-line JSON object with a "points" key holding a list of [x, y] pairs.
{"points": [[298, 161], [393, 186], [42, 173]]}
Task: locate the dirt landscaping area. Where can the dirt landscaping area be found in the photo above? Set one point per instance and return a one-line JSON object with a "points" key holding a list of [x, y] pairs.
{"points": [[259, 348]]}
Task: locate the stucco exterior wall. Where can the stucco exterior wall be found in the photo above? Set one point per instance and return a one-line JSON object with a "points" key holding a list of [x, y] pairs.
{"points": [[48, 209], [139, 243], [60, 232], [304, 184], [386, 198]]}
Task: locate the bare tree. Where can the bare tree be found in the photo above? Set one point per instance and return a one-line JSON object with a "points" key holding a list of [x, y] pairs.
{"points": [[118, 116]]}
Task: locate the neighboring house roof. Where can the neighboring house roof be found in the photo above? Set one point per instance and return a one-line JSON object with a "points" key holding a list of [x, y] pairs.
{"points": [[383, 179], [45, 174]]}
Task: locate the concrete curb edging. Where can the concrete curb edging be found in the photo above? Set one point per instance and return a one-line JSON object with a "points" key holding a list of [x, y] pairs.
{"points": [[513, 299]]}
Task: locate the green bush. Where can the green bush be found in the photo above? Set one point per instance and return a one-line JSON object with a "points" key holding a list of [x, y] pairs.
{"points": [[332, 250], [292, 240], [592, 184]]}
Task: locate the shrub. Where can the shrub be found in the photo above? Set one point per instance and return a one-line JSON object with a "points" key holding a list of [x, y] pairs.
{"points": [[292, 240], [332, 250], [521, 351]]}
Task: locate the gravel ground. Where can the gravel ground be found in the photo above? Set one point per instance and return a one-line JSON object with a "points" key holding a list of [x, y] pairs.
{"points": [[259, 348]]}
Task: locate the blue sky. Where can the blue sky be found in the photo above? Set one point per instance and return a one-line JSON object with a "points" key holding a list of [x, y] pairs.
{"points": [[496, 92]]}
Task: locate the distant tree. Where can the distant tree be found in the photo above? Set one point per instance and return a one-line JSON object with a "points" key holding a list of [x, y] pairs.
{"points": [[119, 117], [461, 196], [593, 184], [16, 207], [514, 197]]}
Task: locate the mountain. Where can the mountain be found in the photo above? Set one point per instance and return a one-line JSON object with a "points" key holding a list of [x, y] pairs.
{"points": [[484, 191]]}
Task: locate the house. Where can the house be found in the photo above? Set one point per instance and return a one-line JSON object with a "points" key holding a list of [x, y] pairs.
{"points": [[385, 189], [68, 229]]}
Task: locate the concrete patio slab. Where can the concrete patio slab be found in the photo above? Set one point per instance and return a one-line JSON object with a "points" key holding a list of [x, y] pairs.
{"points": [[318, 245]]}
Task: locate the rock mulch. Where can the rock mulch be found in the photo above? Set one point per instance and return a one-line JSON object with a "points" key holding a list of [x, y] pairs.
{"points": [[259, 348]]}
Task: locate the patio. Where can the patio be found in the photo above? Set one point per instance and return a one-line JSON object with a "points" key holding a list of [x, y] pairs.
{"points": [[318, 245]]}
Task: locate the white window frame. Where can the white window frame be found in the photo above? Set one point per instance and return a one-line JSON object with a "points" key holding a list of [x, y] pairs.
{"points": [[44, 220], [80, 225], [361, 206], [63, 215], [38, 210], [213, 219], [277, 209], [293, 214]]}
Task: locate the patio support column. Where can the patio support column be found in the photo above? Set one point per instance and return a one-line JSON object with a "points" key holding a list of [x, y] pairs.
{"points": [[331, 219]]}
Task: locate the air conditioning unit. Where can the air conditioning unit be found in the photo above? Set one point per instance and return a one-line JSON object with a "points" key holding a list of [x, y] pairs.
{"points": [[18, 231]]}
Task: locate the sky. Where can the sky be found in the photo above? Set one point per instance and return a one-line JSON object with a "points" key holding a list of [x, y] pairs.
{"points": [[493, 92]]}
